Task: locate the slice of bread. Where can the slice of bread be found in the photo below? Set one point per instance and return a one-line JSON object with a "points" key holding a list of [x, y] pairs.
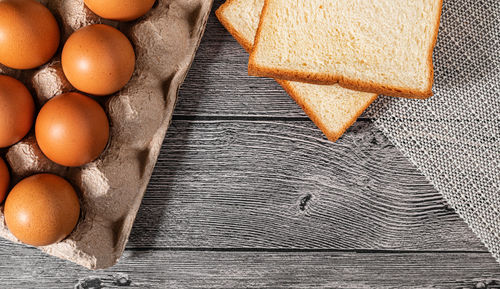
{"points": [[332, 108], [379, 46]]}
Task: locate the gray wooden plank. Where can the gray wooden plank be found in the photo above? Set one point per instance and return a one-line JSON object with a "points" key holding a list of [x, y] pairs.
{"points": [[212, 269], [218, 82], [275, 184]]}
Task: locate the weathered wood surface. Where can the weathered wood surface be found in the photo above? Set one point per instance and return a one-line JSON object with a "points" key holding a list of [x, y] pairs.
{"points": [[248, 193], [226, 269], [279, 184], [219, 215]]}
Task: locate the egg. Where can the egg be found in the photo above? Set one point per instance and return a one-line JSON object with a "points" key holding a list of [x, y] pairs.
{"points": [[17, 110], [98, 59], [29, 34], [42, 210], [4, 179], [72, 129], [121, 10]]}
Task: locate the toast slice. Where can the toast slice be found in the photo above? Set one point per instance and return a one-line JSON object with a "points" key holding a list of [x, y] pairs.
{"points": [[332, 108], [378, 46]]}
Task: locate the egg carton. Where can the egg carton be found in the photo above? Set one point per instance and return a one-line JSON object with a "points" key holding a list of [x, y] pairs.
{"points": [[112, 187]]}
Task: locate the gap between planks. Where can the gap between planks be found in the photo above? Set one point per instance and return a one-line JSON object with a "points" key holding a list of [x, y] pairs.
{"points": [[318, 250]]}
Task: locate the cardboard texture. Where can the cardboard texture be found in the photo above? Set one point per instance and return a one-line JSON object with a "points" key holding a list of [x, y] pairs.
{"points": [[111, 188]]}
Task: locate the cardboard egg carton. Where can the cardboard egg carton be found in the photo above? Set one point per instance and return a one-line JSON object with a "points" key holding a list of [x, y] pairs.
{"points": [[112, 187]]}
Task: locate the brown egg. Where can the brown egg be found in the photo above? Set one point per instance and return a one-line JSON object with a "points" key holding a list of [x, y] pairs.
{"points": [[4, 179], [121, 10], [29, 35], [42, 210], [72, 129], [98, 59], [17, 110]]}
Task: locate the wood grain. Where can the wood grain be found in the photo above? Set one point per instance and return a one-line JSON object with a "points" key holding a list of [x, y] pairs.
{"points": [[226, 269], [280, 184]]}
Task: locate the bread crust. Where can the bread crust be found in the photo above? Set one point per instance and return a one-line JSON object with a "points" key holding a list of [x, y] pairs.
{"points": [[230, 28], [330, 135], [434, 42], [326, 79]]}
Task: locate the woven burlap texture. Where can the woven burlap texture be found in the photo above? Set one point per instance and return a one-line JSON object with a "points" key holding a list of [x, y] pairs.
{"points": [[453, 137]]}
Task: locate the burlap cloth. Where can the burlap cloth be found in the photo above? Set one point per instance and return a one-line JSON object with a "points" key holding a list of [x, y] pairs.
{"points": [[453, 138]]}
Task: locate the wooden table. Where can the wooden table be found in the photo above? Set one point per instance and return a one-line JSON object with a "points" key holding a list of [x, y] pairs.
{"points": [[248, 193]]}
